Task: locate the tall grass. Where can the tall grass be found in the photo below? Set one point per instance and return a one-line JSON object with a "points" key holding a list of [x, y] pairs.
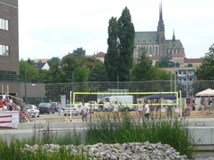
{"points": [[125, 129], [108, 129]]}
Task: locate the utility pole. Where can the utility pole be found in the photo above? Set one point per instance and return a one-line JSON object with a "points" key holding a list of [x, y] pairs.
{"points": [[25, 85]]}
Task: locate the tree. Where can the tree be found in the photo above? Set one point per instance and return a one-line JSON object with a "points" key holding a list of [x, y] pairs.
{"points": [[53, 60], [165, 62], [119, 57], [55, 74], [78, 52], [27, 72], [112, 57], [143, 70], [206, 70], [71, 68], [126, 34], [81, 74]]}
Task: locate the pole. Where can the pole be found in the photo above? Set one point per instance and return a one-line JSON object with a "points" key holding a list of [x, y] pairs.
{"points": [[2, 89], [25, 85], [180, 102], [71, 103], [117, 81], [175, 82]]}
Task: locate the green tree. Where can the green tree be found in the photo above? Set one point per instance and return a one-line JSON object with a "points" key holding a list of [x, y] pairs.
{"points": [[206, 70], [165, 62], [30, 61], [112, 57], [53, 60], [27, 72], [160, 74], [143, 70], [81, 74], [78, 52], [55, 74], [119, 57], [126, 34]]}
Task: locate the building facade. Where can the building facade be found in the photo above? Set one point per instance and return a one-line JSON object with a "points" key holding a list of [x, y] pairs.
{"points": [[156, 43], [9, 46]]}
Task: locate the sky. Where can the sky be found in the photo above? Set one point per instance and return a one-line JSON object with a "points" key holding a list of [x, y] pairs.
{"points": [[53, 28]]}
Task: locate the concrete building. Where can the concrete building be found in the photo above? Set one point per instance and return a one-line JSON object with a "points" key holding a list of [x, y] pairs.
{"points": [[9, 46], [156, 43]]}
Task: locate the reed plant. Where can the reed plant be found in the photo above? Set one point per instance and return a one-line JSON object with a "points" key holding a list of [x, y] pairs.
{"points": [[124, 128], [108, 129]]}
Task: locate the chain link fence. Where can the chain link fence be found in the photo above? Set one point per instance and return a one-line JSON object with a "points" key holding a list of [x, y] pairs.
{"points": [[35, 93]]}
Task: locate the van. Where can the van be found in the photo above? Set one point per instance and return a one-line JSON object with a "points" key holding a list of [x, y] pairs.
{"points": [[125, 101]]}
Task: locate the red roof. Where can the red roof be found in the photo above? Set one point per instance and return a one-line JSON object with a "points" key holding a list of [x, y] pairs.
{"points": [[100, 55], [178, 55], [193, 60]]}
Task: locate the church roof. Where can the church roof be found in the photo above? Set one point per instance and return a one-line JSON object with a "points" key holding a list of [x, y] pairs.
{"points": [[145, 38], [173, 43]]}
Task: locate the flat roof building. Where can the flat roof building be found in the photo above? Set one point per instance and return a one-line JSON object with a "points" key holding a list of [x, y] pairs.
{"points": [[9, 45]]}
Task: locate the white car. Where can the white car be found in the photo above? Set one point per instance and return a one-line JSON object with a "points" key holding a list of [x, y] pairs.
{"points": [[74, 109], [32, 110]]}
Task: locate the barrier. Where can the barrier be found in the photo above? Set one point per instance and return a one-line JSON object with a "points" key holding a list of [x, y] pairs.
{"points": [[9, 119]]}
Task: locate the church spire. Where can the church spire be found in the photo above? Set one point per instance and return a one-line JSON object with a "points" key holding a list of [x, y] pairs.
{"points": [[173, 37], [160, 22], [161, 28], [160, 10]]}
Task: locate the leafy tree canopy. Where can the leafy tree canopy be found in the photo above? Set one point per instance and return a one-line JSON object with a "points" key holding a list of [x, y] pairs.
{"points": [[78, 52], [144, 71], [206, 70], [119, 57], [165, 62], [27, 72], [53, 60]]}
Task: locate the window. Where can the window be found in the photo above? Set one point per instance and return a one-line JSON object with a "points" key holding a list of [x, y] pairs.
{"points": [[4, 50], [4, 24], [8, 76]]}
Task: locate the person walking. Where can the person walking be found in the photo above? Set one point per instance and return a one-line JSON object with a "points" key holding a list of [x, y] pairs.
{"points": [[84, 112]]}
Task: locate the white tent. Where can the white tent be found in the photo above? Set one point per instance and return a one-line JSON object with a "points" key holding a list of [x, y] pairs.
{"points": [[207, 92]]}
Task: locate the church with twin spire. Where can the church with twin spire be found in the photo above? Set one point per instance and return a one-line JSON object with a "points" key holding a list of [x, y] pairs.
{"points": [[156, 43]]}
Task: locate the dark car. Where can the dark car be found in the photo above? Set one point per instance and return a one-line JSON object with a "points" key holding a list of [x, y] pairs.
{"points": [[54, 105], [45, 108]]}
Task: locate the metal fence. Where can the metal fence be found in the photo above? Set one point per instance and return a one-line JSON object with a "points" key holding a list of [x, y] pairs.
{"points": [[39, 92]]}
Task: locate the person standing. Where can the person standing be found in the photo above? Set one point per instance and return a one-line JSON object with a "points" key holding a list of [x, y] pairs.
{"points": [[59, 107], [84, 112], [140, 110], [116, 109], [169, 109], [146, 110]]}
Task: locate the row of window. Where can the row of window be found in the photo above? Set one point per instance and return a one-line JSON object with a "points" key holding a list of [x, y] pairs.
{"points": [[171, 51], [152, 49], [4, 24], [8, 76], [4, 50]]}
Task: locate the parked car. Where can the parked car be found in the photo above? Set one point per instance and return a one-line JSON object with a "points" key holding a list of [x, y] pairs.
{"points": [[32, 110], [54, 105], [75, 110], [46, 108]]}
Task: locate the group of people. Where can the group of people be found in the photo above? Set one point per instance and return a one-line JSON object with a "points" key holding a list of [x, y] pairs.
{"points": [[144, 109], [7, 104]]}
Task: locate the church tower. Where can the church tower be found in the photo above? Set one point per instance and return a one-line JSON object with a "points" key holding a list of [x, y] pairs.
{"points": [[161, 33]]}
